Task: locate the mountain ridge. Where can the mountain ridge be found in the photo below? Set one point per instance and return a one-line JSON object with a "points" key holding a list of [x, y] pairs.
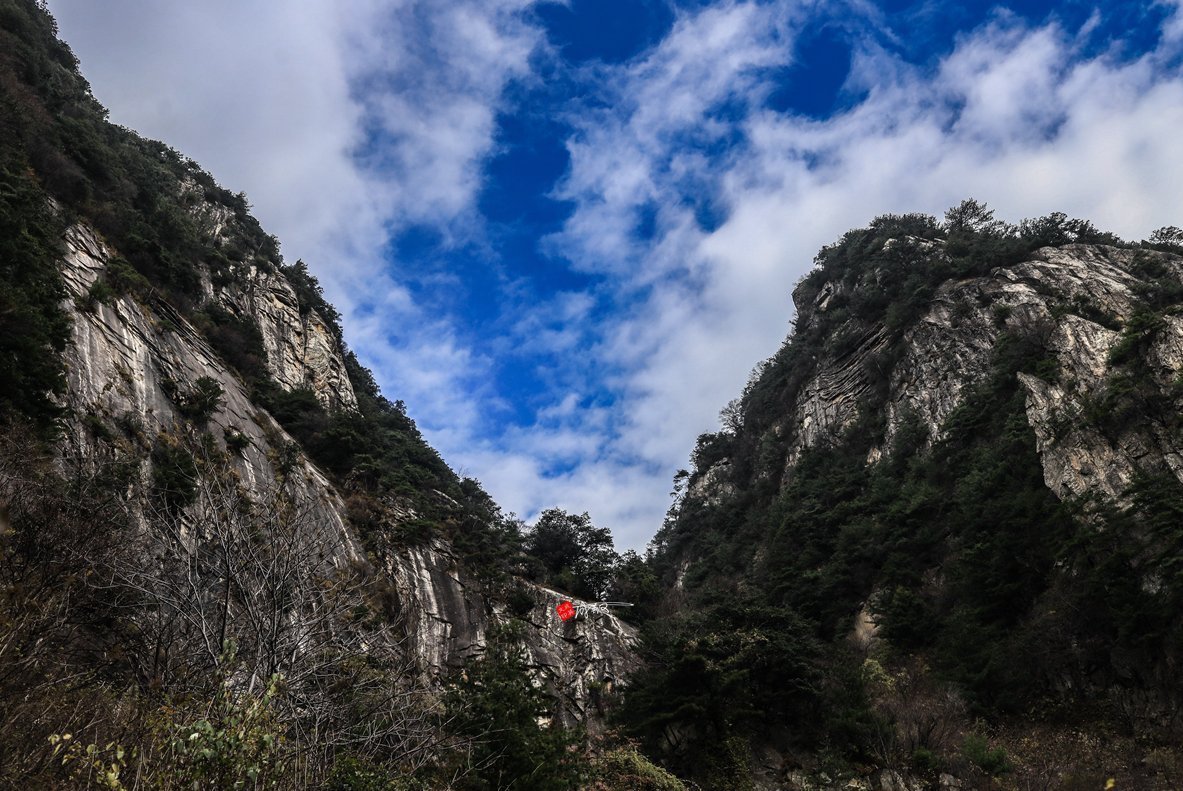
{"points": [[969, 441]]}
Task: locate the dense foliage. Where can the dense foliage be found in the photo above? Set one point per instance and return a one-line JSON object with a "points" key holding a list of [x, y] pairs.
{"points": [[517, 752], [33, 328], [572, 554]]}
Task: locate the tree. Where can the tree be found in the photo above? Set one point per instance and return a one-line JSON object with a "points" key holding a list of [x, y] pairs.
{"points": [[732, 416], [1168, 237], [199, 404], [635, 582], [576, 555], [249, 595], [971, 216], [496, 704], [61, 519], [33, 326]]}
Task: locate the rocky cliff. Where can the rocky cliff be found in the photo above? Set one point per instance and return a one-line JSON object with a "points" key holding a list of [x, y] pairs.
{"points": [[1076, 297], [131, 360], [227, 559], [957, 486]]}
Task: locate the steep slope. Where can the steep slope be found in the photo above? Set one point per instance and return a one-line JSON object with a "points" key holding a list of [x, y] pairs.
{"points": [[955, 492], [124, 360], [209, 512]]}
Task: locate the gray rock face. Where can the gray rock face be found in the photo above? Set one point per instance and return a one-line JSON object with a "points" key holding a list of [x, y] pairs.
{"points": [[449, 620], [948, 351], [301, 349], [1060, 294], [124, 359]]}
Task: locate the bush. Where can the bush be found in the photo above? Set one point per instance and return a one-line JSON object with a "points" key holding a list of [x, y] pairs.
{"points": [[991, 760], [926, 762], [236, 746], [626, 769], [1138, 334], [199, 404], [237, 339], [99, 293], [354, 774], [236, 441], [33, 326], [124, 279], [497, 706], [174, 475]]}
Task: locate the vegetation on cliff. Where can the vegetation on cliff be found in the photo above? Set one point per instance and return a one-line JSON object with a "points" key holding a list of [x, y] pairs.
{"points": [[996, 608], [160, 626]]}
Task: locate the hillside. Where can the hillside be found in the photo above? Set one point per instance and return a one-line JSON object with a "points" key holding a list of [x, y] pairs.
{"points": [[226, 559], [940, 531]]}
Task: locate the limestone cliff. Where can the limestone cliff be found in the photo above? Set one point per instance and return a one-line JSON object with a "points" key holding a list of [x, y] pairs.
{"points": [[131, 358], [301, 349], [1076, 297], [962, 472], [579, 659], [227, 559]]}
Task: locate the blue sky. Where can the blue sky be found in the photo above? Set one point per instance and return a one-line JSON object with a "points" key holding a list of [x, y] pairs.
{"points": [[564, 232]]}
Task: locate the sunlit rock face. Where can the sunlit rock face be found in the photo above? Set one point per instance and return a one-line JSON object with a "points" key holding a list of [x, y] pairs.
{"points": [[129, 358], [125, 359], [301, 349], [1074, 298]]}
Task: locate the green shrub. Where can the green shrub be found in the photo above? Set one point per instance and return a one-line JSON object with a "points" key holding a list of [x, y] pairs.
{"points": [[496, 705], [124, 279], [354, 774], [1140, 331], [174, 475], [926, 762], [237, 339], [97, 427], [626, 769], [520, 603], [238, 746], [199, 404], [236, 441], [99, 293], [33, 326], [992, 760]]}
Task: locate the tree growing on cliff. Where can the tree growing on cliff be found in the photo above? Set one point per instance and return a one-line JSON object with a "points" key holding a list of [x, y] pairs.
{"points": [[574, 555]]}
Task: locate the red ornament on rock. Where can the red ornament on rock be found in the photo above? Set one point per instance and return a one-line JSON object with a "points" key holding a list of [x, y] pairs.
{"points": [[566, 610]]}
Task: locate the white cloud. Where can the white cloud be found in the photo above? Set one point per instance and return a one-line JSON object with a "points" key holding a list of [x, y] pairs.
{"points": [[260, 98], [1172, 30]]}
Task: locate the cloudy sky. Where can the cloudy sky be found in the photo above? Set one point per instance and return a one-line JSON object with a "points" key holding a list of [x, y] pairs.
{"points": [[564, 232]]}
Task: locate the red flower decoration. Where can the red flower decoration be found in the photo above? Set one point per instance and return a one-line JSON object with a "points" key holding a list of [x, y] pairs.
{"points": [[566, 610]]}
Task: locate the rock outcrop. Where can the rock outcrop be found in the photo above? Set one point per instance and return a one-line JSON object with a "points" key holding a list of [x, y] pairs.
{"points": [[302, 350], [1076, 297], [129, 362], [449, 618]]}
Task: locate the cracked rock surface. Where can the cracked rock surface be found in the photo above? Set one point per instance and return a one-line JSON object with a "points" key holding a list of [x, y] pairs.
{"points": [[126, 355]]}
